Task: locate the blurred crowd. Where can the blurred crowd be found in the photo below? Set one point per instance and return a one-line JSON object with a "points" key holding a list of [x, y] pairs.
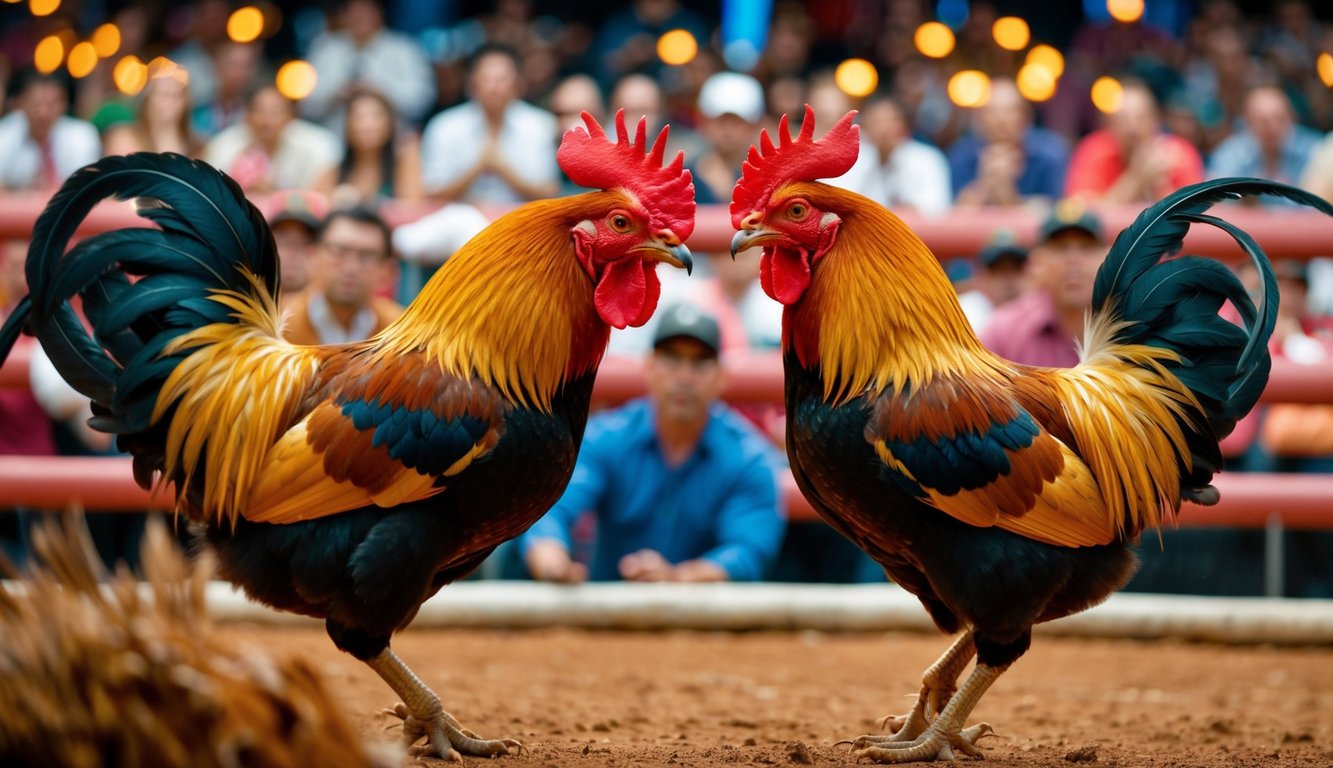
{"points": [[458, 110]]}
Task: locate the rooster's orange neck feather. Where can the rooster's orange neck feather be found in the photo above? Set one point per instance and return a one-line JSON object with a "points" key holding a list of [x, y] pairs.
{"points": [[879, 311], [523, 325]]}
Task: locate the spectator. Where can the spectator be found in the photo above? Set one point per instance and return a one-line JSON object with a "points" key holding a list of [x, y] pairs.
{"points": [[641, 96], [493, 148], [352, 263], [40, 146], [627, 40], [731, 111], [682, 488], [361, 53], [161, 123], [381, 160], [575, 95], [235, 67], [273, 149], [294, 219], [1318, 176], [1002, 277], [1270, 147], [1008, 159], [1045, 324], [894, 169], [207, 22], [1131, 160]]}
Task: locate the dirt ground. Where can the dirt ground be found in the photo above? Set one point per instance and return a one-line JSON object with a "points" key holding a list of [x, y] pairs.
{"points": [[578, 698]]}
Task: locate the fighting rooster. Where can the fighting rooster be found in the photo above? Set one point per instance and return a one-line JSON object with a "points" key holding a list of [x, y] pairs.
{"points": [[351, 482], [1001, 495], [98, 673]]}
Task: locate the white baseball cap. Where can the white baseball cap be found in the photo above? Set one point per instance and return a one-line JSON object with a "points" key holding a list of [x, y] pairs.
{"points": [[734, 93]]}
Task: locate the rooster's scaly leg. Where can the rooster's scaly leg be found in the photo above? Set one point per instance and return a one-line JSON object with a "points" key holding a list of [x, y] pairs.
{"points": [[937, 687], [945, 733], [423, 715]]}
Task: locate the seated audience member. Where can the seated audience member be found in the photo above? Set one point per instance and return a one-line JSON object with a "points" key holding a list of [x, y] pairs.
{"points": [[381, 160], [352, 262], [894, 169], [641, 96], [41, 146], [731, 112], [161, 123], [1008, 159], [294, 219], [493, 148], [681, 487], [1000, 278], [236, 66], [1318, 175], [273, 149], [1271, 146], [1131, 160], [1044, 325]]}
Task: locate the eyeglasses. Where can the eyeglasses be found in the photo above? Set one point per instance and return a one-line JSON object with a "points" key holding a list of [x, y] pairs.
{"points": [[363, 256]]}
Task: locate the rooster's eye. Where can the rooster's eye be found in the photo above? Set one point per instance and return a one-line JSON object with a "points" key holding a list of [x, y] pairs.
{"points": [[797, 211], [620, 222]]}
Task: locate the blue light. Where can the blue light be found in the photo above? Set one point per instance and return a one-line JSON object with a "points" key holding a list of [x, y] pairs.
{"points": [[953, 13], [744, 32], [1096, 10]]}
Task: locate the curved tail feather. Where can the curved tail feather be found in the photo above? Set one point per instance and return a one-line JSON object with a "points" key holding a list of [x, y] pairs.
{"points": [[1173, 303], [141, 287]]}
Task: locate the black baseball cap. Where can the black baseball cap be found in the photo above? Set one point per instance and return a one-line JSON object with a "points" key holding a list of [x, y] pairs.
{"points": [[1002, 243], [1071, 215], [688, 321]]}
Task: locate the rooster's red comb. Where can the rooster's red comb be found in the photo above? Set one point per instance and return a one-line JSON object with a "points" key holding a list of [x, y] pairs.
{"points": [[591, 160], [802, 159]]}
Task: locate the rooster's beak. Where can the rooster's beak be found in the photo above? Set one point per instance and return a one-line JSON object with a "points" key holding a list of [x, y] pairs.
{"points": [[675, 254], [748, 238]]}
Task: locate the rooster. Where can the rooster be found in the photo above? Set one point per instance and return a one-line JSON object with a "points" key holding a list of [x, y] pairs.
{"points": [[91, 662], [351, 482], [1001, 495]]}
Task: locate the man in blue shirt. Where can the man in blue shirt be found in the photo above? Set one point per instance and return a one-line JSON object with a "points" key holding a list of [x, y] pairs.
{"points": [[682, 487], [1009, 160]]}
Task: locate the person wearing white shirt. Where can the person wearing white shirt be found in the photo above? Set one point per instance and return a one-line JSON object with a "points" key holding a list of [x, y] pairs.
{"points": [[493, 149], [894, 169], [271, 149], [40, 146], [362, 52]]}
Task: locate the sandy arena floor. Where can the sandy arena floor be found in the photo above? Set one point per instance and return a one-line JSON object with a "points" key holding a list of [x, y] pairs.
{"points": [[579, 698]]}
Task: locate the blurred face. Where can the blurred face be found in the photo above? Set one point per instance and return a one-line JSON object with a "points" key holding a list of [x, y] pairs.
{"points": [[1066, 266], [236, 66], [1136, 122], [573, 96], [1005, 117], [1268, 116], [369, 124], [165, 101], [1006, 279], [495, 82], [352, 262], [884, 125], [268, 113], [43, 103], [638, 96], [730, 134], [362, 20], [295, 242], [684, 378], [13, 281]]}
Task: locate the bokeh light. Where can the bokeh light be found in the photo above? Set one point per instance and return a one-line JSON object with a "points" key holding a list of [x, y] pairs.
{"points": [[1047, 57], [161, 66], [856, 77], [106, 39], [43, 7], [933, 39], [1125, 10], [82, 60], [969, 88], [1107, 94], [245, 24], [1325, 66], [130, 75], [677, 47], [296, 79], [49, 54], [1035, 82], [1011, 33]]}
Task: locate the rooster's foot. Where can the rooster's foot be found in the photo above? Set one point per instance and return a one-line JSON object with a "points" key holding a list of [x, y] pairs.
{"points": [[934, 744], [447, 739]]}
